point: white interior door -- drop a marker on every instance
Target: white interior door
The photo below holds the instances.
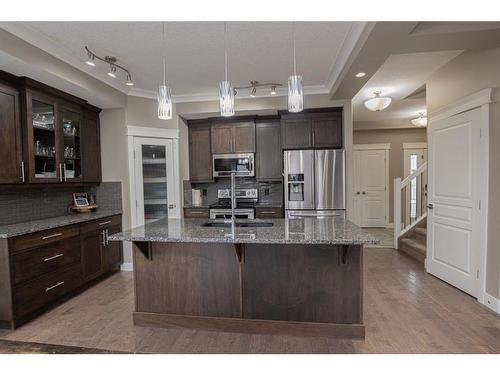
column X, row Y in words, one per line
column 156, row 180
column 370, row 187
column 453, row 237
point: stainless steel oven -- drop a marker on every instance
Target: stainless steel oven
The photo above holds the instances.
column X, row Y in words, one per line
column 241, row 164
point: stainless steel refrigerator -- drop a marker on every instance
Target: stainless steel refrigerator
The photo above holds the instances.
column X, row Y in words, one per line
column 314, row 182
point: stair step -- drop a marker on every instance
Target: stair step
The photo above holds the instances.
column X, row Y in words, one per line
column 414, row 245
column 421, row 231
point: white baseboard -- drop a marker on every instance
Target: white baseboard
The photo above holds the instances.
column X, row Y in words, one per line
column 390, row 226
column 491, row 302
column 127, row 266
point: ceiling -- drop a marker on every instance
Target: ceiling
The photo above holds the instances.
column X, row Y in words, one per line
column 195, row 52
column 399, row 77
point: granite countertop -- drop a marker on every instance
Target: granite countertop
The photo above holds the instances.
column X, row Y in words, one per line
column 334, row 231
column 12, row 230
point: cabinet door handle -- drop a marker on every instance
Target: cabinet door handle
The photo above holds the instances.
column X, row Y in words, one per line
column 53, row 257
column 268, row 212
column 64, row 170
column 107, row 237
column 52, row 236
column 105, row 222
column 196, row 212
column 60, row 172
column 22, row 172
column 357, row 193
column 54, row 286
column 103, row 233
column 364, row 192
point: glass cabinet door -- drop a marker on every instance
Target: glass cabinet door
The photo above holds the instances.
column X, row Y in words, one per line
column 71, row 150
column 44, row 155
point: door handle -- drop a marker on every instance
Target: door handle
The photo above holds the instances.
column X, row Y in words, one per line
column 103, row 233
column 60, row 172
column 52, row 236
column 430, row 206
column 107, row 236
column 22, row 171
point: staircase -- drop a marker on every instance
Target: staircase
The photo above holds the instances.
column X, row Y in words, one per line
column 410, row 214
column 414, row 241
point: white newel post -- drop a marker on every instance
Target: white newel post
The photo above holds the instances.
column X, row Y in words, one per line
column 397, row 210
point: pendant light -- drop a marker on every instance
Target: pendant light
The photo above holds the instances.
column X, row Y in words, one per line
column 164, row 91
column 378, row 103
column 421, row 120
column 295, row 91
column 226, row 91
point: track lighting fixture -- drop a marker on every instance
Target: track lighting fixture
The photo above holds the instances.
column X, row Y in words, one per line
column 256, row 84
column 112, row 62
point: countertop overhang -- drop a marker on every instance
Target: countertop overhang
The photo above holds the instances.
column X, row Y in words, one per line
column 320, row 231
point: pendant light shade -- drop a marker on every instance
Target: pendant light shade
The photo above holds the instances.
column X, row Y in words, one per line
column 226, row 90
column 420, row 121
column 378, row 103
column 295, row 94
column 164, row 103
column 164, row 91
column 295, row 91
column 226, row 99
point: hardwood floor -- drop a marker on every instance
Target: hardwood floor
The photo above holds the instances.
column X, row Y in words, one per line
column 406, row 311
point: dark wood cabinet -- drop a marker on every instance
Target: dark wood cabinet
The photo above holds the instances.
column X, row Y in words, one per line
column 222, row 139
column 37, row 269
column 296, row 133
column 91, row 147
column 244, row 137
column 320, row 128
column 190, row 213
column 92, row 259
column 200, row 155
column 112, row 251
column 46, row 136
column 268, row 156
column 11, row 168
column 233, row 137
column 327, row 132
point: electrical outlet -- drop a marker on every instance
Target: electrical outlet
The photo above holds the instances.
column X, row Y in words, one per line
column 204, row 192
column 266, row 191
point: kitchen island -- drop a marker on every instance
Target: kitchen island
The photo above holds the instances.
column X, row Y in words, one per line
column 301, row 276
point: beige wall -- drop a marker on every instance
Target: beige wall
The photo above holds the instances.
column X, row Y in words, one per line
column 396, row 137
column 464, row 75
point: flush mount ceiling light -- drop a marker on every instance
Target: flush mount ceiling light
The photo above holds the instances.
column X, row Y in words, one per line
column 378, row 103
column 256, row 84
column 295, row 89
column 421, row 120
column 360, row 74
column 164, row 91
column 113, row 65
column 226, row 91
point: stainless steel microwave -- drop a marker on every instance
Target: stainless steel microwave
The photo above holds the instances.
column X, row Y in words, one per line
column 241, row 164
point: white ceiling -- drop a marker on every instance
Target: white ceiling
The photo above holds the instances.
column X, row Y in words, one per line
column 256, row 51
column 399, row 77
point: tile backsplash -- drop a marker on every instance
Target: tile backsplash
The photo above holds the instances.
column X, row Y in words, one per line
column 268, row 191
column 19, row 204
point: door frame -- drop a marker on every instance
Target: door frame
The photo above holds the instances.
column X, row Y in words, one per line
column 370, row 147
column 134, row 132
column 407, row 147
column 481, row 99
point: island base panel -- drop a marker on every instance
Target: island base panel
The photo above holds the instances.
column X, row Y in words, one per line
column 251, row 326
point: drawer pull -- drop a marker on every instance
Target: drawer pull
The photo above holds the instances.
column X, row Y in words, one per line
column 105, row 222
column 53, row 257
column 197, row 212
column 54, row 286
column 268, row 212
column 52, row 236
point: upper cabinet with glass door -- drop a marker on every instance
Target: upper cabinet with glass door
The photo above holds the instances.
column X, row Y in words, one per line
column 71, row 122
column 42, row 132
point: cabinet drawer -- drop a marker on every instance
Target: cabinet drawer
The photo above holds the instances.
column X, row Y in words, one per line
column 35, row 294
column 33, row 263
column 44, row 237
column 105, row 222
column 268, row 212
column 196, row 212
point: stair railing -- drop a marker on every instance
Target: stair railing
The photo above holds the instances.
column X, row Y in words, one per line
column 410, row 201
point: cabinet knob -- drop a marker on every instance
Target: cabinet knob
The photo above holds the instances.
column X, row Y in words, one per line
column 171, row 206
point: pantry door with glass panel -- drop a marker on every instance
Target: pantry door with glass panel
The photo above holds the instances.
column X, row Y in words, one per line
column 154, row 180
